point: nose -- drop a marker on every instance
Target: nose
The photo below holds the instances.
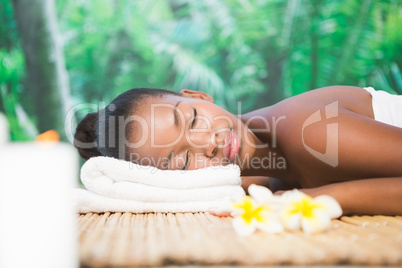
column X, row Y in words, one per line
column 203, row 141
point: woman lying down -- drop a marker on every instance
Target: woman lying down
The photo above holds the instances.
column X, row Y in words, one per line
column 341, row 141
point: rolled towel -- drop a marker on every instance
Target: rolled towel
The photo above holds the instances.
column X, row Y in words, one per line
column 119, row 185
column 86, row 201
column 112, row 170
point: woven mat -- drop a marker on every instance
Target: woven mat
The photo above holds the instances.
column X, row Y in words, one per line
column 129, row 240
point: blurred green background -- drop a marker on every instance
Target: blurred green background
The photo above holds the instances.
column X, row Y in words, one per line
column 53, row 58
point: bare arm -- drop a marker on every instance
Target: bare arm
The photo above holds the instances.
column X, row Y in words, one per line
column 381, row 196
column 272, row 183
column 368, row 196
column 246, row 181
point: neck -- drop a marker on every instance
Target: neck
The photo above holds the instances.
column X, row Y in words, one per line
column 266, row 161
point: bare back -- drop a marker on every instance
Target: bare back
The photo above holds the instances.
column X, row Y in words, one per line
column 330, row 135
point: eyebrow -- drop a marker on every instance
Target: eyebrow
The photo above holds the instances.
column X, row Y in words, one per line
column 176, row 114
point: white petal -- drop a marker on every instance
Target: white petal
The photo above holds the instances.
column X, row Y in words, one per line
column 272, row 226
column 236, row 211
column 243, row 228
column 260, row 194
column 319, row 221
column 292, row 195
column 291, row 221
column 276, row 206
column 331, row 206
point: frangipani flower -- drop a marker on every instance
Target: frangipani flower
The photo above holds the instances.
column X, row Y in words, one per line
column 310, row 214
column 263, row 195
column 256, row 212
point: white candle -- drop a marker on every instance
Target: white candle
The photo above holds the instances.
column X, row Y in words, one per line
column 37, row 219
column 4, row 130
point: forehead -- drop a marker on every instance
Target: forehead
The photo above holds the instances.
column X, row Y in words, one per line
column 154, row 132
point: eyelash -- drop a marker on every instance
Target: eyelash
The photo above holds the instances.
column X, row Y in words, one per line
column 187, row 161
column 192, row 126
column 213, row 153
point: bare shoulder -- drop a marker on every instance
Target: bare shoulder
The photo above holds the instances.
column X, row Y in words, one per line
column 323, row 103
column 352, row 98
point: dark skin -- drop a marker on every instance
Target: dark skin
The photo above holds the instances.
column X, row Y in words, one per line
column 366, row 177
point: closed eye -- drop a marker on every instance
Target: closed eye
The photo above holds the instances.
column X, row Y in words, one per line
column 195, row 118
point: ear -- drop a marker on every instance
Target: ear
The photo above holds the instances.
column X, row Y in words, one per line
column 196, row 94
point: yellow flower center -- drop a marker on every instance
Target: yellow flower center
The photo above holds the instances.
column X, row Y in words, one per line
column 251, row 210
column 305, row 206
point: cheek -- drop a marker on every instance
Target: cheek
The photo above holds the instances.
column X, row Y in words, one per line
column 165, row 138
column 218, row 117
column 204, row 122
column 177, row 162
column 200, row 161
column 228, row 121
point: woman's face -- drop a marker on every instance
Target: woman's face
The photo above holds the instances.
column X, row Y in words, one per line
column 188, row 132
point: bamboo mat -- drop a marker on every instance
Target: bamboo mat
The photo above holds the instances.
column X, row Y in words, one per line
column 129, row 240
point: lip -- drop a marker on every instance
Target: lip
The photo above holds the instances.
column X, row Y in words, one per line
column 232, row 145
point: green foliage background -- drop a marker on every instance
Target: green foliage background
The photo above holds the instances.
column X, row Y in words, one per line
column 254, row 51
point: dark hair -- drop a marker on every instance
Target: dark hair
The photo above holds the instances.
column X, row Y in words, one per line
column 98, row 134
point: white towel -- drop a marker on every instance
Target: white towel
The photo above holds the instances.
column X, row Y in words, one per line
column 387, row 107
column 118, row 185
column 87, row 201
